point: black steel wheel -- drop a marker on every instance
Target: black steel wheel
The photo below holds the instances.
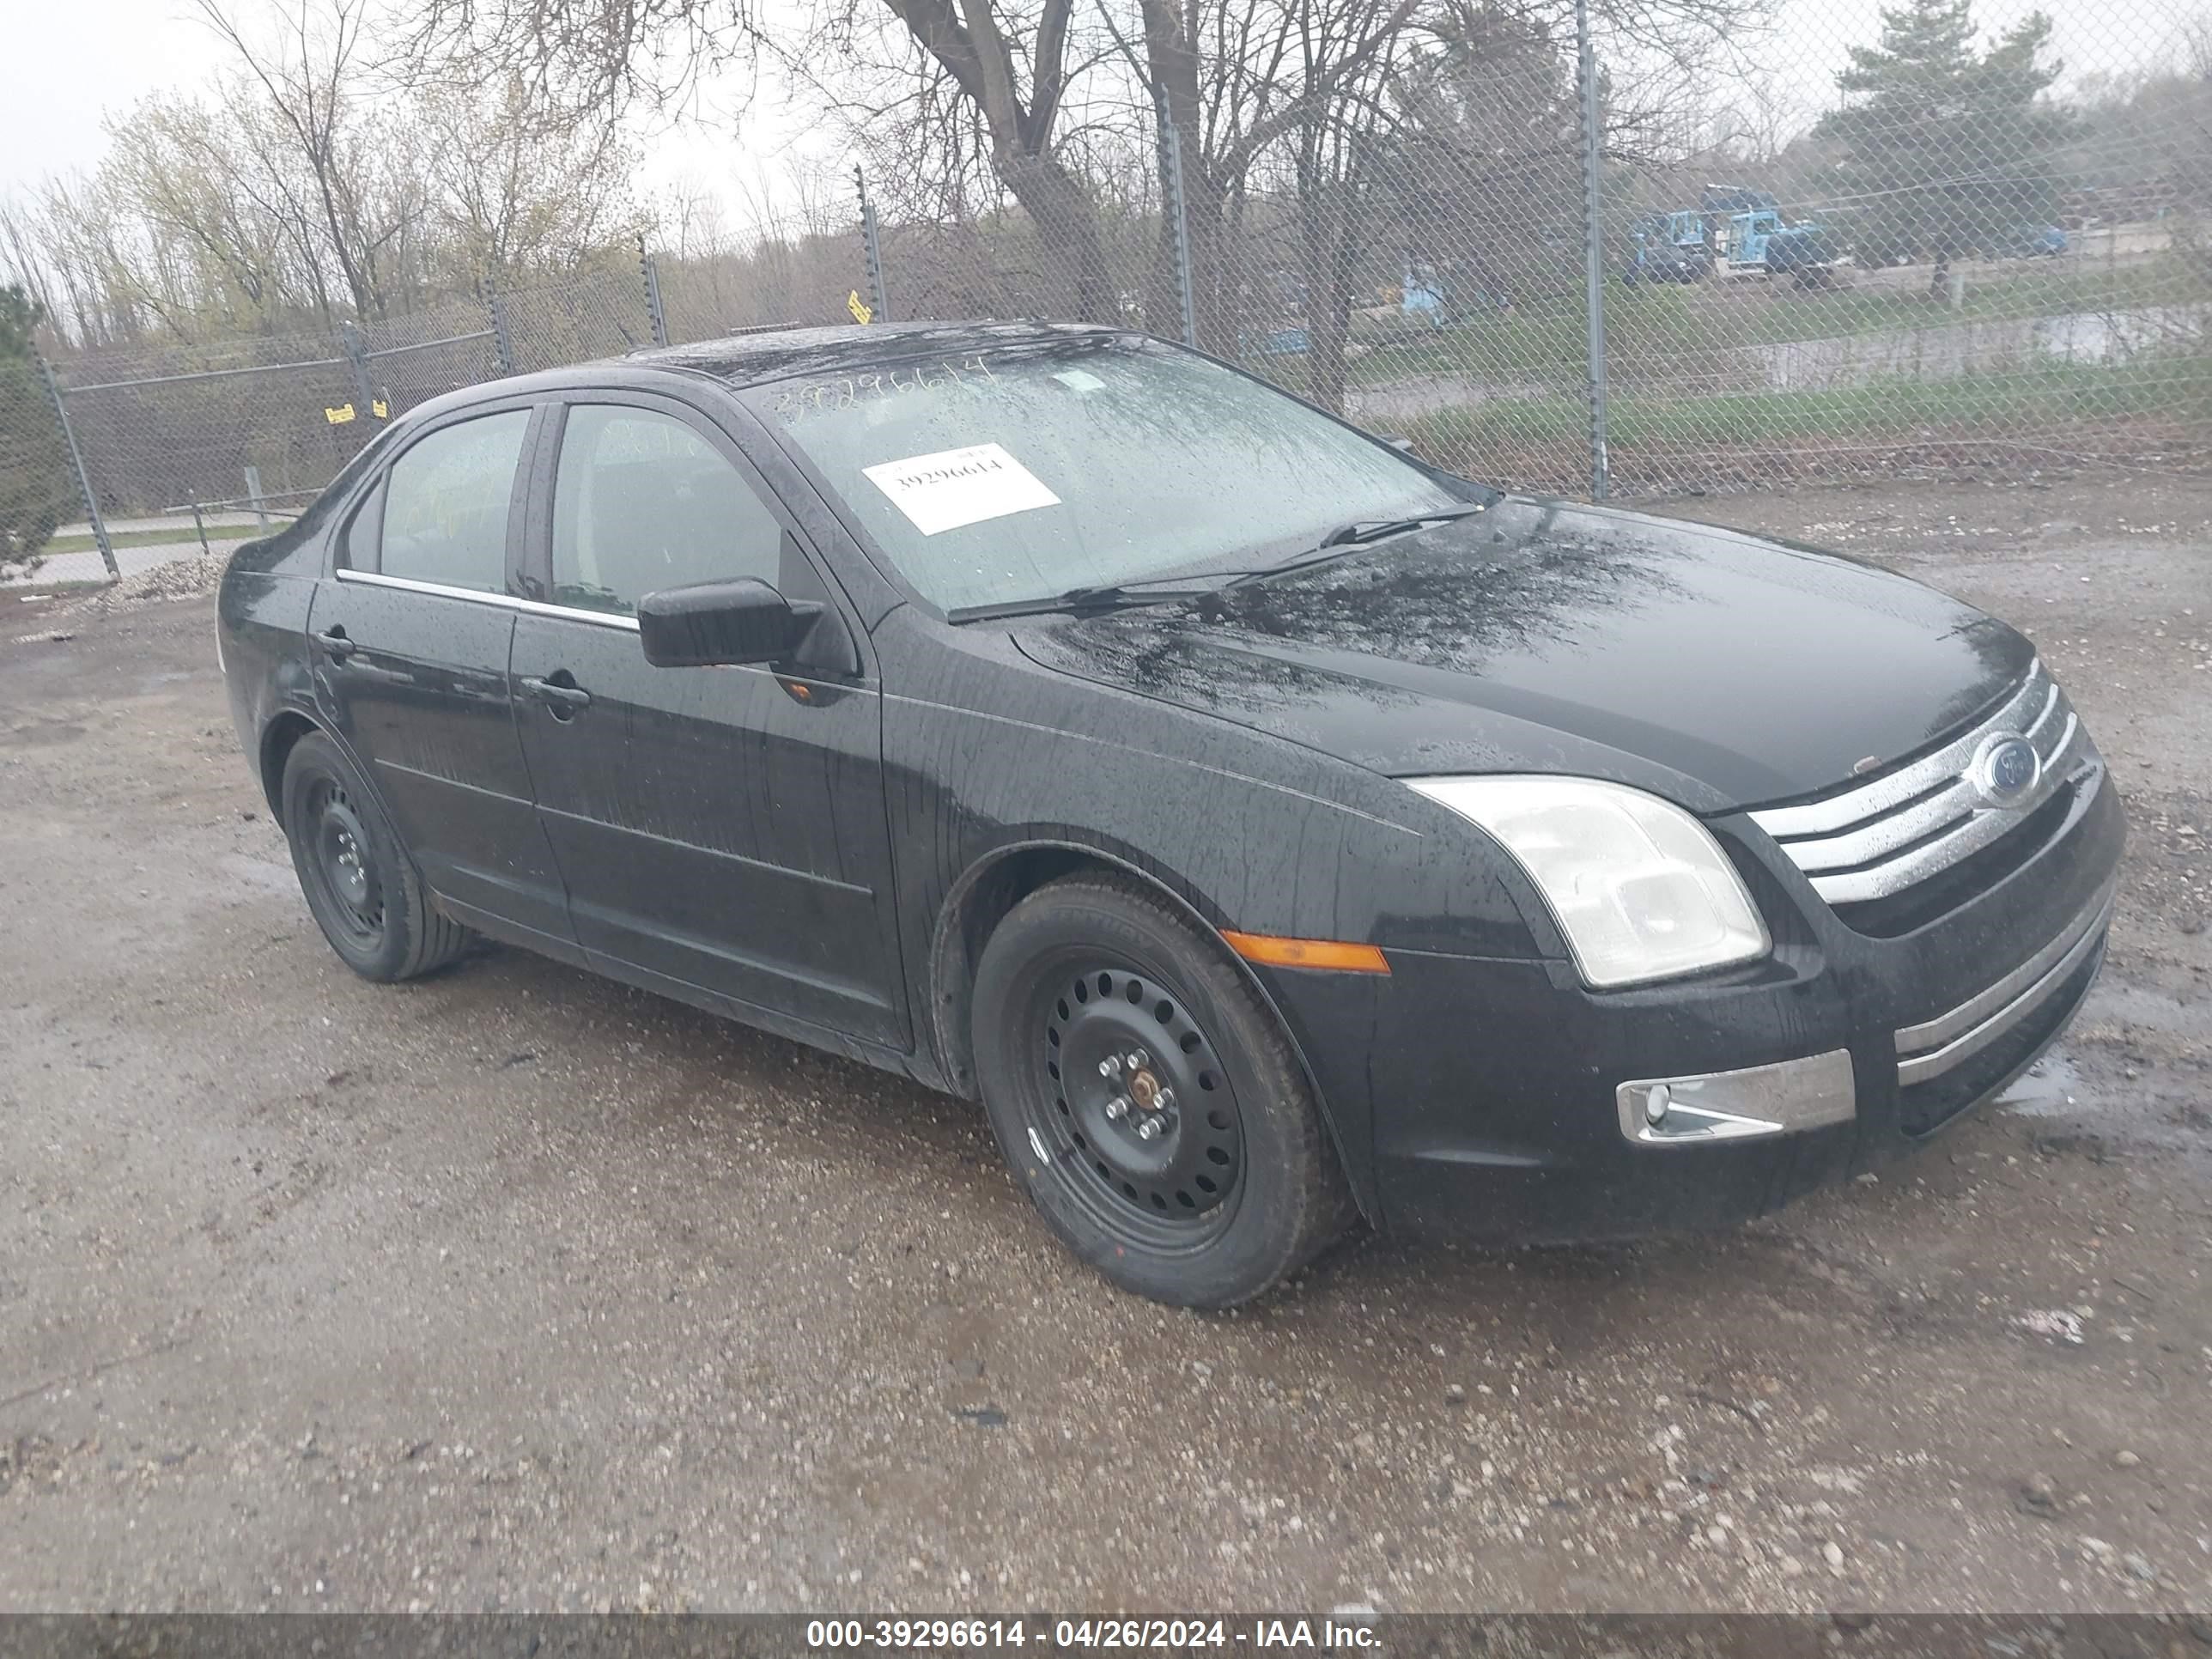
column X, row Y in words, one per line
column 1137, row 1107
column 340, row 867
column 1148, row 1098
column 359, row 883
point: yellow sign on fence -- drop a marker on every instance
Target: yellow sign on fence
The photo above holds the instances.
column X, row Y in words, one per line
column 339, row 416
column 862, row 311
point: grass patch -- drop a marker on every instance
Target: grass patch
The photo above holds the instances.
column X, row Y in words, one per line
column 1542, row 339
column 82, row 541
column 2051, row 400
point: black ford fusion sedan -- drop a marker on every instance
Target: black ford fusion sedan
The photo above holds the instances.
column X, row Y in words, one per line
column 1272, row 830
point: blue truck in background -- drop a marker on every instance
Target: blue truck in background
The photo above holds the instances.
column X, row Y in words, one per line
column 1733, row 231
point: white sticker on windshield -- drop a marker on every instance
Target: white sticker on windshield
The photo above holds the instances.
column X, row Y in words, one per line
column 1079, row 379
column 955, row 487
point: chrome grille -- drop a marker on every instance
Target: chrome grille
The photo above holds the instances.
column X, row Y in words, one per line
column 1880, row 837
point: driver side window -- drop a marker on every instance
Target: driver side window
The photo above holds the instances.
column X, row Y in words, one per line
column 642, row 501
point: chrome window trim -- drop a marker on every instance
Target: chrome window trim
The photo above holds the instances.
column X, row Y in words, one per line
column 506, row 601
column 1935, row 1046
column 1881, row 837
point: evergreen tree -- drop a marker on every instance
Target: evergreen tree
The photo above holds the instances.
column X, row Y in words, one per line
column 1947, row 152
column 35, row 490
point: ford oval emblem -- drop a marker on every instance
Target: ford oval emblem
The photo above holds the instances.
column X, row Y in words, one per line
column 2008, row 770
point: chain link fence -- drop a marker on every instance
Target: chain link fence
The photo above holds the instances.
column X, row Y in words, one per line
column 166, row 429
column 1602, row 248
column 1572, row 249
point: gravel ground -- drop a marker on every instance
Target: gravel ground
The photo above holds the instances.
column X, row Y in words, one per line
column 513, row 1289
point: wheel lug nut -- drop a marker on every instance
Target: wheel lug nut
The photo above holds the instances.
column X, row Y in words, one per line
column 1139, row 1059
column 1109, row 1066
column 1118, row 1108
column 1164, row 1101
column 1148, row 1129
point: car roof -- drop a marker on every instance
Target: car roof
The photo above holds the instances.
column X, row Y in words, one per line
column 753, row 359
column 775, row 354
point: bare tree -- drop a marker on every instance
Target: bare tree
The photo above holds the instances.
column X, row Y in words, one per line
column 311, row 81
column 510, row 187
column 1008, row 62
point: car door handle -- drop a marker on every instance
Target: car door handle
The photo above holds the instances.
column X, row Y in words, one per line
column 335, row 641
column 563, row 700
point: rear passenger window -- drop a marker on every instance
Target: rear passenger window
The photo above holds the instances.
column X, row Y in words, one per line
column 445, row 504
column 642, row 502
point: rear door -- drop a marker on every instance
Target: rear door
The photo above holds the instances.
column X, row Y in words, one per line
column 410, row 640
column 719, row 827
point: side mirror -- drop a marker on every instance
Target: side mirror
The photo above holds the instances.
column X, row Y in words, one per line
column 713, row 624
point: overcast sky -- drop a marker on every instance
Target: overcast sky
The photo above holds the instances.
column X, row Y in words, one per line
column 70, row 62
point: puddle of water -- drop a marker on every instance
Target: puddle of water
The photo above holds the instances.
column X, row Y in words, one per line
column 1941, row 351
column 1948, row 351
column 2098, row 1106
column 2051, row 1087
column 1425, row 394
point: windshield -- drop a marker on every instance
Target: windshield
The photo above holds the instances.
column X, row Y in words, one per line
column 1023, row 473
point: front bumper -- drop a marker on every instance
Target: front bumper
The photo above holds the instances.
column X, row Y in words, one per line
column 1498, row 1101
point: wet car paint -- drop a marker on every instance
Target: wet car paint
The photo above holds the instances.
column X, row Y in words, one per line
column 1241, row 754
column 1461, row 649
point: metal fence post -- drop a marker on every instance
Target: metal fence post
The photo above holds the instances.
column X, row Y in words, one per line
column 653, row 313
column 253, row 494
column 502, row 342
column 1592, row 254
column 872, row 251
column 76, row 461
column 1179, row 220
column 356, row 351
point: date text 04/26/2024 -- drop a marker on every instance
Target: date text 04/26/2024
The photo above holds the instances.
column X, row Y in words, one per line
column 831, row 1635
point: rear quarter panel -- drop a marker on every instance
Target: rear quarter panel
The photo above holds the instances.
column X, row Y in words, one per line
column 261, row 624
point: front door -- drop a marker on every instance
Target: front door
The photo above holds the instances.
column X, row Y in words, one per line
column 719, row 827
column 410, row 640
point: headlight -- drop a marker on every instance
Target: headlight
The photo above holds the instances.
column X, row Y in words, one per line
column 1640, row 887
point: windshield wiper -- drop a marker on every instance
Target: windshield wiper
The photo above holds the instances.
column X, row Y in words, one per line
column 1105, row 596
column 1197, row 583
column 1358, row 533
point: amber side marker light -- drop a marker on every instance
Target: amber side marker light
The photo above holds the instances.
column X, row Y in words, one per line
column 1338, row 954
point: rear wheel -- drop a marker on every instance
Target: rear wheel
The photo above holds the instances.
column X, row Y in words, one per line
column 1147, row 1098
column 359, row 884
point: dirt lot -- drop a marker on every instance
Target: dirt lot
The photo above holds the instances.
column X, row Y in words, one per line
column 515, row 1289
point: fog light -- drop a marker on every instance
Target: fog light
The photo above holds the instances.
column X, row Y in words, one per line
column 1790, row 1096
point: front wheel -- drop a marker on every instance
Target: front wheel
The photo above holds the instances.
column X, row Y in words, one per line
column 1147, row 1098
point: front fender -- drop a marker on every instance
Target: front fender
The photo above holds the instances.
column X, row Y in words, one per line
column 996, row 882
column 996, row 765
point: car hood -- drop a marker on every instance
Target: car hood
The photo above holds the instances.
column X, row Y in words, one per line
column 1716, row 667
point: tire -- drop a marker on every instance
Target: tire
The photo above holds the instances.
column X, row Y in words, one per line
column 359, row 882
column 1240, row 1187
